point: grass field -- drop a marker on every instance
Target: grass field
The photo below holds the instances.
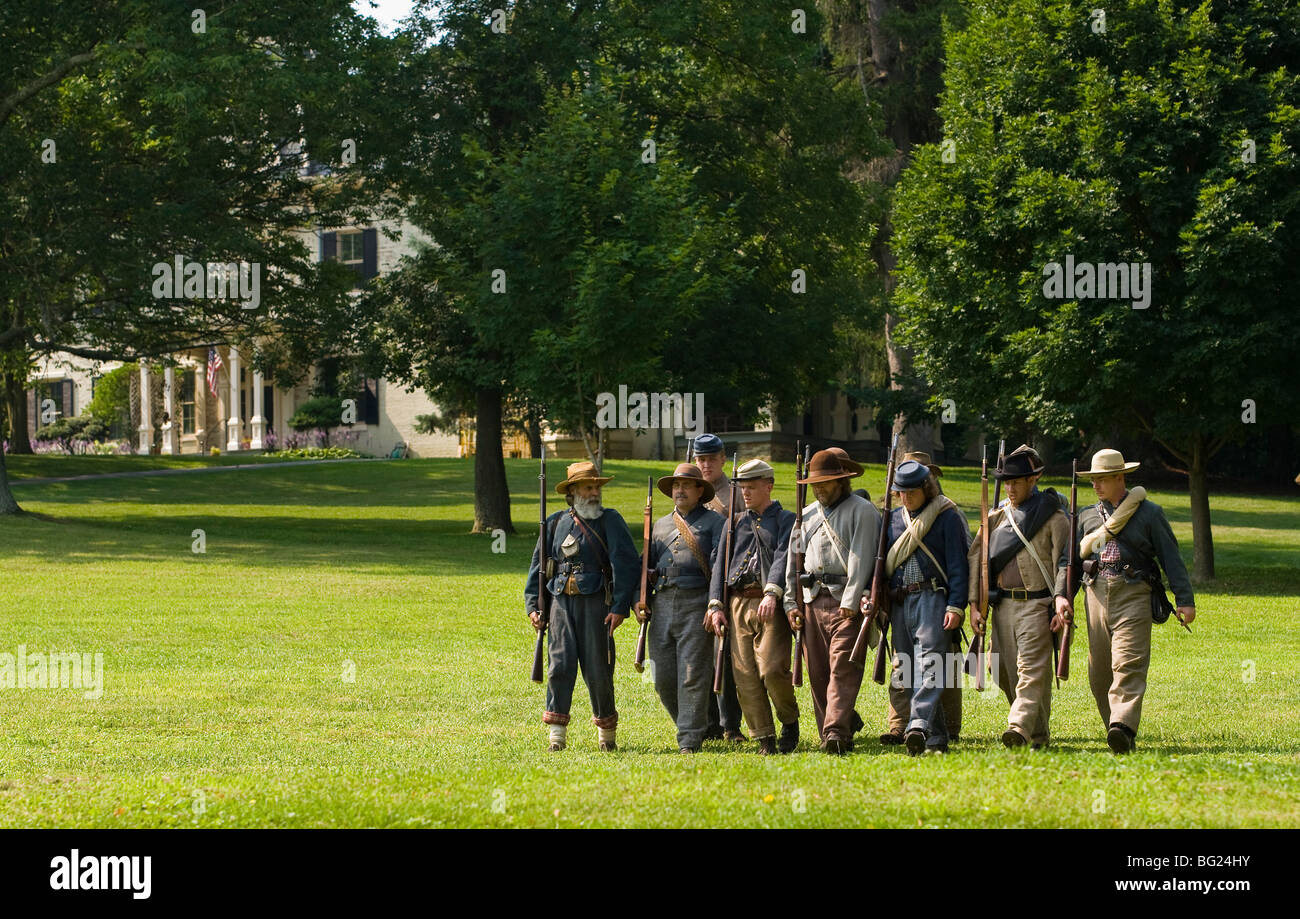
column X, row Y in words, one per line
column 345, row 653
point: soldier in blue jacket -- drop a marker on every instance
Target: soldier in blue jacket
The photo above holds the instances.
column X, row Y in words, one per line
column 593, row 568
column 755, row 624
column 683, row 549
column 928, row 574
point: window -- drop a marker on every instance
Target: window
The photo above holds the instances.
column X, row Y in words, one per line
column 350, row 248
column 187, row 401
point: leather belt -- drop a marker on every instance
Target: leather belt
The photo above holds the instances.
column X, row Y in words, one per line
column 751, row 593
column 1022, row 593
column 899, row 594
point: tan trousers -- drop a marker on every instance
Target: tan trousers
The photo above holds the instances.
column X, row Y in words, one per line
column 760, row 658
column 900, row 705
column 1119, row 647
column 1022, row 641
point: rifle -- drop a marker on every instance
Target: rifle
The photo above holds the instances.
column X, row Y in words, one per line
column 543, row 600
column 1071, row 566
column 982, row 601
column 878, row 585
column 638, row 661
column 801, row 463
column 719, row 661
column 997, row 499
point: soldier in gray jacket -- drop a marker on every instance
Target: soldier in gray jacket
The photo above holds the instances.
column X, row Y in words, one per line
column 1120, row 539
column 840, row 531
column 683, row 550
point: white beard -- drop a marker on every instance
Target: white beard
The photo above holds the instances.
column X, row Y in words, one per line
column 587, row 510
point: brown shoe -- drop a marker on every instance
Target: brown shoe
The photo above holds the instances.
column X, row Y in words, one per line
column 608, row 746
column 735, row 737
column 835, row 746
column 1012, row 738
column 767, row 746
column 891, row 739
column 556, row 747
column 1120, row 739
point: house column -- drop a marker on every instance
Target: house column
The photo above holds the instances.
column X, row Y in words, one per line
column 258, row 440
column 234, row 427
column 169, row 439
column 146, row 421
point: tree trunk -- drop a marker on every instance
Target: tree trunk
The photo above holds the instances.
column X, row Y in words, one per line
column 8, row 505
column 15, row 396
column 1202, row 537
column 491, row 491
column 533, row 428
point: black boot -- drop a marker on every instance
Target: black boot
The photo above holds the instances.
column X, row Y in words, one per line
column 789, row 737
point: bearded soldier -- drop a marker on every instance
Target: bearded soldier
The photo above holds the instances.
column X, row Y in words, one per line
column 1028, row 546
column 900, row 696
column 683, row 546
column 593, row 569
column 1120, row 539
column 926, row 564
column 759, row 633
column 840, row 531
column 711, row 459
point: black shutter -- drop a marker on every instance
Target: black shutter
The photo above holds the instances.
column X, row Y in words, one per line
column 68, row 393
column 372, row 402
column 369, row 253
column 268, row 406
column 329, row 247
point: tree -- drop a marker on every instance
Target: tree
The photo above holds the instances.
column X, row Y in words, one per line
column 137, row 133
column 1160, row 136
column 893, row 52
column 743, row 225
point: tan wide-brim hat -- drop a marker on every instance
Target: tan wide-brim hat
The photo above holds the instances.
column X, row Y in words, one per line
column 827, row 465
column 1109, row 462
column 690, row 472
column 584, row 471
column 923, row 458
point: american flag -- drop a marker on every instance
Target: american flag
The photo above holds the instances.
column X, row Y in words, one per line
column 214, row 364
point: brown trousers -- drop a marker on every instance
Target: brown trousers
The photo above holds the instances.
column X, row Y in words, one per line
column 832, row 677
column 1119, row 647
column 900, row 704
column 1022, row 641
column 760, row 658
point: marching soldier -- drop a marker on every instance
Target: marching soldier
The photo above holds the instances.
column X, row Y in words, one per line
column 683, row 549
column 711, row 459
column 759, row 634
column 593, row 569
column 900, row 696
column 1120, row 539
column 840, row 531
column 928, row 575
column 1028, row 546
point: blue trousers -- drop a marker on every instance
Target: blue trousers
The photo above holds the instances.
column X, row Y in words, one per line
column 922, row 646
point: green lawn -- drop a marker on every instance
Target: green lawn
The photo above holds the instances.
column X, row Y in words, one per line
column 227, row 699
